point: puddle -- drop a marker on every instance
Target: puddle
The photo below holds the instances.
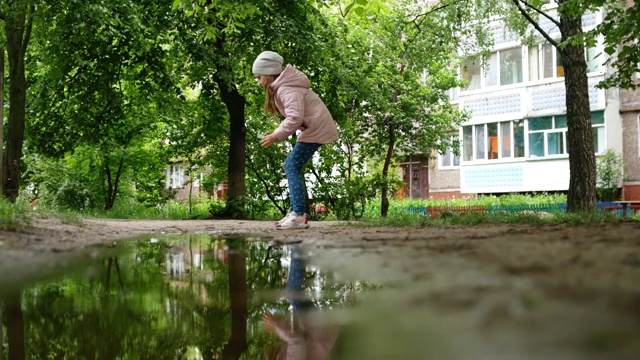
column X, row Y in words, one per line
column 193, row 297
column 180, row 297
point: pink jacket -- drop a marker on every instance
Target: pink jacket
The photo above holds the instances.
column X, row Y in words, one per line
column 303, row 110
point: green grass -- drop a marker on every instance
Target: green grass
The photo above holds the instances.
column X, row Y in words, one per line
column 172, row 210
column 19, row 215
column 406, row 218
column 15, row 216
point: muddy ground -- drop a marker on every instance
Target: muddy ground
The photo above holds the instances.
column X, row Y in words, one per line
column 502, row 291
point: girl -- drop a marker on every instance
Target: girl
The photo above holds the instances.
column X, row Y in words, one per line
column 288, row 93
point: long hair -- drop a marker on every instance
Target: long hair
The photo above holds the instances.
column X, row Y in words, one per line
column 269, row 101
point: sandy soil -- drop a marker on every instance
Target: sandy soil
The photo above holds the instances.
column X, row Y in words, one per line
column 574, row 287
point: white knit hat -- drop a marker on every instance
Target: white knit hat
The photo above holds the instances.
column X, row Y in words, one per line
column 268, row 63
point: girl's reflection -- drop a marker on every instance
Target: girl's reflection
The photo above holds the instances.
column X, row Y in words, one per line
column 310, row 339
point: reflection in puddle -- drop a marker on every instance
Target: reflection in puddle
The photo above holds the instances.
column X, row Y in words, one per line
column 188, row 297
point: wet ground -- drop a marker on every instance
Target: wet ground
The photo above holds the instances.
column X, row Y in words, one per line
column 479, row 292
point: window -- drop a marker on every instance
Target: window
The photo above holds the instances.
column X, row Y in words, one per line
column 510, row 66
column 449, row 158
column 593, row 60
column 471, row 74
column 493, row 141
column 197, row 179
column 503, row 67
column 548, row 135
column 467, row 143
column 638, row 136
column 544, row 62
column 175, row 177
column 597, row 122
column 518, row 138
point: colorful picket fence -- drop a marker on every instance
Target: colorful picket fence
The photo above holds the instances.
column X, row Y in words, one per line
column 436, row 212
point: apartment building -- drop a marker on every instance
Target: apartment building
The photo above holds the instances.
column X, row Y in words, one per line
column 516, row 138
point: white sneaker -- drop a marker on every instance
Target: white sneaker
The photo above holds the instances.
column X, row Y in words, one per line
column 293, row 221
column 289, row 214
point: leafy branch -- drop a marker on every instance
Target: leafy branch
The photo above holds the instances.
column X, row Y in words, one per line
column 535, row 24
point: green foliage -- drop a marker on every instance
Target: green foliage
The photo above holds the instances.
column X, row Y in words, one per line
column 143, row 83
column 621, row 30
column 357, row 193
column 609, row 167
column 79, row 181
column 65, row 183
column 108, row 92
column 15, row 216
column 387, row 89
column 217, row 208
column 235, row 208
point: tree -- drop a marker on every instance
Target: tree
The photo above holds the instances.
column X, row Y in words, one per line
column 221, row 40
column 101, row 81
column 18, row 23
column 581, row 196
column 409, row 69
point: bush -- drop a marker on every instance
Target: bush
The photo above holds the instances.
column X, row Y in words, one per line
column 608, row 175
column 14, row 216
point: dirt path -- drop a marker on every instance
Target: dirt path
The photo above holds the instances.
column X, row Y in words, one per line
column 524, row 286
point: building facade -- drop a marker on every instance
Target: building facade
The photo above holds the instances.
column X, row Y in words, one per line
column 178, row 181
column 516, row 138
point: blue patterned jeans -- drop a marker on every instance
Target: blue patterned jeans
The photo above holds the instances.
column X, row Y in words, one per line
column 299, row 156
column 296, row 281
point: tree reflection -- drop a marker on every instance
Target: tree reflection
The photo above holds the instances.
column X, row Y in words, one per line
column 1, row 332
column 238, row 295
column 196, row 297
column 15, row 328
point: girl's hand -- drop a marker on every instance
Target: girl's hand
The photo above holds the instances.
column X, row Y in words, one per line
column 267, row 140
column 270, row 322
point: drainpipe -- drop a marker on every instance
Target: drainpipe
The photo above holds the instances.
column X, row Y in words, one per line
column 410, row 177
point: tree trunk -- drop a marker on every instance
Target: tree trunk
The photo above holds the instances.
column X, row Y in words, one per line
column 582, row 161
column 236, row 189
column 15, row 329
column 1, row 333
column 18, row 31
column 384, row 201
column 1, row 137
column 112, row 191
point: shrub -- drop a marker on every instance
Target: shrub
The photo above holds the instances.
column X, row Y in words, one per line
column 608, row 175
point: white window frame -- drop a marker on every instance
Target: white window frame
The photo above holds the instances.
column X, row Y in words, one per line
column 638, row 136
column 175, row 177
column 485, row 70
column 596, row 53
column 487, row 142
column 555, row 129
column 563, row 130
column 452, row 157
